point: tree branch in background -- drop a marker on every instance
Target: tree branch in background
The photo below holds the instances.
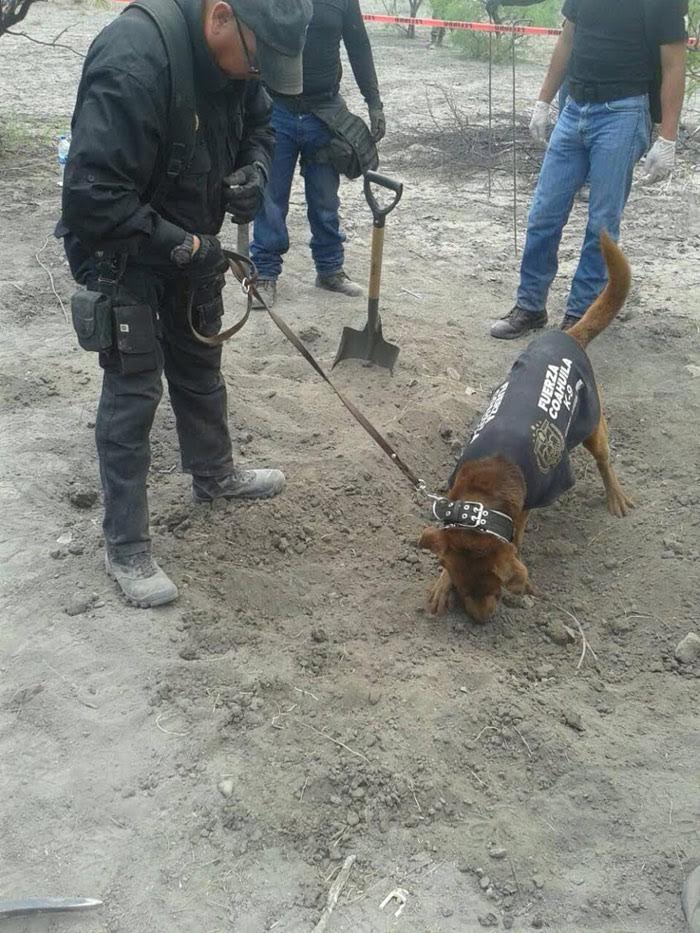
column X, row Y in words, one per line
column 54, row 43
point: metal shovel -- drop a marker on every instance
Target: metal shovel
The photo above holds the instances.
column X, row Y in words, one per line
column 369, row 344
column 30, row 906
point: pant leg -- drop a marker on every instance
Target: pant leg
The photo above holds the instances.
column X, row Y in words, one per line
column 270, row 235
column 196, row 386
column 125, row 415
column 617, row 135
column 563, row 172
column 322, row 182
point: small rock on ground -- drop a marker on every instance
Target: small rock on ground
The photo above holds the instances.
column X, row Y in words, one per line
column 688, row 650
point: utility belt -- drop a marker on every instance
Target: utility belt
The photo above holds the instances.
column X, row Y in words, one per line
column 585, row 92
column 299, row 103
column 111, row 320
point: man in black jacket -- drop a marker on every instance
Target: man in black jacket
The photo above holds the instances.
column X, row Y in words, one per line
column 303, row 134
column 140, row 224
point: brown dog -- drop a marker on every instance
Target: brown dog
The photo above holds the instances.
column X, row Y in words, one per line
column 518, row 458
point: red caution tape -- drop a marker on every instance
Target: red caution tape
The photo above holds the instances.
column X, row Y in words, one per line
column 456, row 24
column 693, row 42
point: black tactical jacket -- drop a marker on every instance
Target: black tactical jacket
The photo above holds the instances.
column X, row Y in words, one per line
column 119, row 143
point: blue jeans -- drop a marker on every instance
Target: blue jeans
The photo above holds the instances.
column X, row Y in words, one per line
column 299, row 134
column 598, row 142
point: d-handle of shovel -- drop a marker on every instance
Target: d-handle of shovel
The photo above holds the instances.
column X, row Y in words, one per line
column 378, row 212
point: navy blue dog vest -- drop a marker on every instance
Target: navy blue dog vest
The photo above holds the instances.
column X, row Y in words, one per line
column 547, row 406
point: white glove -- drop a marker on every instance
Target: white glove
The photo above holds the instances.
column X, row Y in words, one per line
column 659, row 161
column 540, row 121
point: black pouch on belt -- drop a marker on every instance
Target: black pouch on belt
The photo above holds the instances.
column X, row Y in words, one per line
column 92, row 319
column 135, row 338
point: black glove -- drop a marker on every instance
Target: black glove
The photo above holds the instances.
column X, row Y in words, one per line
column 243, row 192
column 209, row 258
column 377, row 121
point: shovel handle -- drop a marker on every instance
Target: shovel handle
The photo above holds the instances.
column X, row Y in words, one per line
column 378, row 212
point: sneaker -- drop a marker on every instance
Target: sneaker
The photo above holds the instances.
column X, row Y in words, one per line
column 268, row 292
column 339, row 282
column 518, row 322
column 568, row 321
column 141, row 579
column 240, row 484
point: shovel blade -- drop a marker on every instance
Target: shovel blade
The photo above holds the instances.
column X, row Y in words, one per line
column 366, row 345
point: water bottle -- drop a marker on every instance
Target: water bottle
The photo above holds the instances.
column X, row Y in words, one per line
column 63, row 147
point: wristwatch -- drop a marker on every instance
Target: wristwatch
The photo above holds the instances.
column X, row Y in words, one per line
column 182, row 254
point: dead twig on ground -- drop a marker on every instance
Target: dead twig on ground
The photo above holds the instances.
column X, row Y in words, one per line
column 50, row 275
column 168, row 731
column 334, row 894
column 523, row 740
column 585, row 646
column 335, row 741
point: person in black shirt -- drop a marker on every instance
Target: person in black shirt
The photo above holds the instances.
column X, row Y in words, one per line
column 144, row 242
column 301, row 133
column 626, row 65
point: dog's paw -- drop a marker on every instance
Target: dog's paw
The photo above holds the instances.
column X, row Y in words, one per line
column 439, row 595
column 619, row 504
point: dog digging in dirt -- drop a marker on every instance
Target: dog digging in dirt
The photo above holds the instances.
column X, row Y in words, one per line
column 517, row 458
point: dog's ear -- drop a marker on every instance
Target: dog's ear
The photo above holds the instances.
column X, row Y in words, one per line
column 512, row 572
column 433, row 539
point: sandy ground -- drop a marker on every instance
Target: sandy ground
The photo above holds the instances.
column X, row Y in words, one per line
column 208, row 766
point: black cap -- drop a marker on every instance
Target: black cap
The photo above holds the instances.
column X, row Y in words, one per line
column 279, row 27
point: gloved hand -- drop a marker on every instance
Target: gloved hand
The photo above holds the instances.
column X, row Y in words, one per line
column 659, row 161
column 540, row 121
column 377, row 122
column 209, row 258
column 243, row 193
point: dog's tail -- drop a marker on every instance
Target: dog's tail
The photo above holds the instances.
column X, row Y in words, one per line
column 611, row 299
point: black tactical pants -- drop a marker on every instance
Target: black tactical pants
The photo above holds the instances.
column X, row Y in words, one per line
column 132, row 389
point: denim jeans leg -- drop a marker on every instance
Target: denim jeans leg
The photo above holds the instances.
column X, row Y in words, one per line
column 322, row 182
column 563, row 173
column 270, row 235
column 617, row 134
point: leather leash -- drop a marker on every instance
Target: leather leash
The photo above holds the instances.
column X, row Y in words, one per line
column 246, row 274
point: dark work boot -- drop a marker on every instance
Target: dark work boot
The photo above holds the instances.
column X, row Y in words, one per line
column 268, row 292
column 568, row 321
column 339, row 282
column 141, row 579
column 240, row 484
column 517, row 322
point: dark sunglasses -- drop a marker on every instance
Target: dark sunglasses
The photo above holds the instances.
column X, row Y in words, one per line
column 253, row 69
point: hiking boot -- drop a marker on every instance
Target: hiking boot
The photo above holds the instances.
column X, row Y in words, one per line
column 141, row 579
column 517, row 322
column 268, row 292
column 568, row 321
column 240, row 484
column 339, row 282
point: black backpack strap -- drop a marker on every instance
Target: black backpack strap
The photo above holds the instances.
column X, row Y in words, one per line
column 182, row 118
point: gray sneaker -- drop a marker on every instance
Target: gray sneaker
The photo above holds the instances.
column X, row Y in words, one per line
column 267, row 289
column 339, row 282
column 241, row 484
column 517, row 322
column 141, row 579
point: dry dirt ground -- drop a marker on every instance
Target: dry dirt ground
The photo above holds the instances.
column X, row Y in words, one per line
column 206, row 767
